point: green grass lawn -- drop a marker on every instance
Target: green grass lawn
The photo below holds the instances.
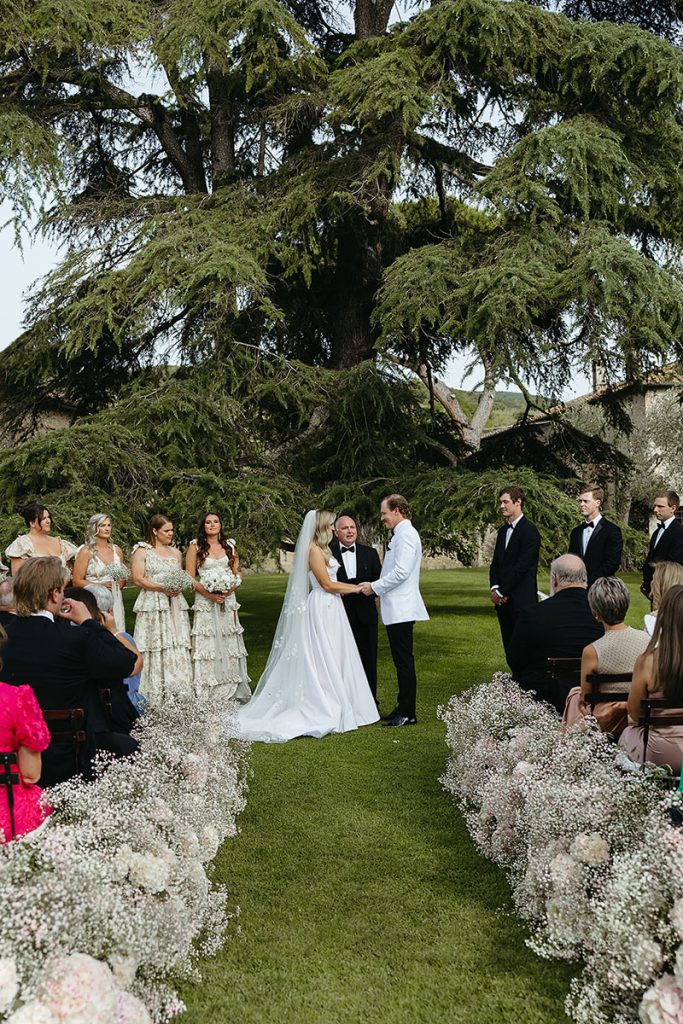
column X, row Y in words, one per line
column 361, row 895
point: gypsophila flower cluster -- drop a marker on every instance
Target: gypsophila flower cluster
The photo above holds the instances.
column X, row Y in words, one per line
column 111, row 898
column 117, row 571
column 175, row 578
column 595, row 866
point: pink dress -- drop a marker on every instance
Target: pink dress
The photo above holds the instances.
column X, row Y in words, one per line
column 21, row 724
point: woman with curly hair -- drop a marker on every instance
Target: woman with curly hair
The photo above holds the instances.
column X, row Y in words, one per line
column 219, row 656
column 38, row 542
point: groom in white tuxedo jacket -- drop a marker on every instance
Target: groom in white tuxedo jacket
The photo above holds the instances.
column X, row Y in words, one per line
column 401, row 604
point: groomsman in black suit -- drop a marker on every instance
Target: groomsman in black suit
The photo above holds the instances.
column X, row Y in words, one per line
column 512, row 576
column 358, row 563
column 596, row 540
column 666, row 543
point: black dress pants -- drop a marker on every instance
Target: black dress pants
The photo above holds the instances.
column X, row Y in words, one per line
column 365, row 635
column 400, row 636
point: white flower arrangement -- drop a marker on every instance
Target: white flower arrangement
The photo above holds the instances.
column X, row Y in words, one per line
column 595, row 866
column 111, row 898
column 117, row 571
column 220, row 579
column 175, row 578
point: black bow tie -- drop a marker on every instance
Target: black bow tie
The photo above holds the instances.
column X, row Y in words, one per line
column 662, row 526
column 587, row 526
column 351, row 549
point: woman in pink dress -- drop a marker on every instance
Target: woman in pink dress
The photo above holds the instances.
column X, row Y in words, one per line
column 22, row 732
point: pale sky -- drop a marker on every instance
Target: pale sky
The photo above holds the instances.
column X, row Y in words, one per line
column 21, row 270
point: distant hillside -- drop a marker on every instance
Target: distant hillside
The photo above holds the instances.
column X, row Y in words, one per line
column 508, row 406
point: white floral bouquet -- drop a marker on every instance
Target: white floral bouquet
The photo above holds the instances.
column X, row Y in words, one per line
column 175, row 578
column 220, row 580
column 108, row 905
column 585, row 839
column 117, row 571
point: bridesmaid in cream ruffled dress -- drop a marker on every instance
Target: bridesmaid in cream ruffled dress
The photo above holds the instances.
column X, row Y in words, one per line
column 38, row 543
column 218, row 652
column 162, row 623
column 94, row 560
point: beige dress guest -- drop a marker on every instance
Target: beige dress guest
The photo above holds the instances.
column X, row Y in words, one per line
column 23, row 548
column 218, row 651
column 98, row 572
column 664, row 746
column 162, row 634
column 617, row 651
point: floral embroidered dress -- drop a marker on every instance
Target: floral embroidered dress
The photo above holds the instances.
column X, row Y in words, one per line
column 23, row 548
column 99, row 572
column 162, row 634
column 218, row 651
column 21, row 725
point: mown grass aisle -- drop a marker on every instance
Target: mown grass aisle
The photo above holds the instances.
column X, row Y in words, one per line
column 361, row 895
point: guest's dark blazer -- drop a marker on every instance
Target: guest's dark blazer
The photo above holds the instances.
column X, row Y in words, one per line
column 669, row 549
column 603, row 554
column 514, row 569
column 60, row 661
column 359, row 608
column 559, row 627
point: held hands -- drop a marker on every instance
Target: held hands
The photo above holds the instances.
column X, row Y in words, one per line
column 366, row 589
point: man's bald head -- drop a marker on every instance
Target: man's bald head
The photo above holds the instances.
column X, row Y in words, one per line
column 568, row 571
column 346, row 530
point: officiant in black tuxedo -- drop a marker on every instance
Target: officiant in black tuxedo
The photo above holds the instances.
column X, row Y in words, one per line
column 512, row 575
column 596, row 540
column 358, row 563
column 666, row 542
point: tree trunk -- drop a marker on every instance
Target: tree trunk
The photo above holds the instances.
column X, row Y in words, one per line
column 357, row 276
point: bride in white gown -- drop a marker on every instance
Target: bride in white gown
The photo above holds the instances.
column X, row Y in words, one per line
column 314, row 682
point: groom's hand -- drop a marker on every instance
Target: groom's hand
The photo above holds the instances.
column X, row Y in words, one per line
column 366, row 588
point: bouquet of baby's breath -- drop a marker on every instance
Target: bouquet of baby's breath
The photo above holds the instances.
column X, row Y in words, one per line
column 220, row 580
column 175, row 578
column 117, row 572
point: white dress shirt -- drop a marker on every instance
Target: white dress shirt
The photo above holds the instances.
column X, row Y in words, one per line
column 588, row 532
column 660, row 532
column 349, row 560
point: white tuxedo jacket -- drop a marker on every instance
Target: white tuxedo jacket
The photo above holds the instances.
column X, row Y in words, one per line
column 398, row 587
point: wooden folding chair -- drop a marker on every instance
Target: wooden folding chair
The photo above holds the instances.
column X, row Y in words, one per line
column 67, row 726
column 9, row 779
column 561, row 675
column 660, row 721
column 597, row 681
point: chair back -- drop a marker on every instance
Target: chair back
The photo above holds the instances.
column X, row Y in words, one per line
column 561, row 675
column 9, row 779
column 649, row 720
column 67, row 725
column 598, row 679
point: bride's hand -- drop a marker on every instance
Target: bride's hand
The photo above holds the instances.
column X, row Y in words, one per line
column 217, row 598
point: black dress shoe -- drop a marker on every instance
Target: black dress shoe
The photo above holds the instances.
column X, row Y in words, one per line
column 397, row 721
column 392, row 714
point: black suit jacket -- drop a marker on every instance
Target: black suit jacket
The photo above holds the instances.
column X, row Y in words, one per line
column 559, row 627
column 603, row 554
column 669, row 549
column 359, row 608
column 514, row 569
column 60, row 662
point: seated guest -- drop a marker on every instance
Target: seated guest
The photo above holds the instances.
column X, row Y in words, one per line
column 559, row 627
column 105, row 607
column 614, row 653
column 666, row 574
column 22, row 732
column 7, row 609
column 659, row 673
column 60, row 662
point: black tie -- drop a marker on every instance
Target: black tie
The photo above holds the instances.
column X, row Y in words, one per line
column 587, row 526
column 351, row 549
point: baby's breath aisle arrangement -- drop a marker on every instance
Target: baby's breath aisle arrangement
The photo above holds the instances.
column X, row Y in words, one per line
column 106, row 907
column 587, row 843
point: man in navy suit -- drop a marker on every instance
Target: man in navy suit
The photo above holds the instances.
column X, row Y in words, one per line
column 512, row 576
column 596, row 540
column 358, row 563
column 666, row 543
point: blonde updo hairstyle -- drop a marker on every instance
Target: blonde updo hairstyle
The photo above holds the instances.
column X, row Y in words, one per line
column 93, row 526
column 324, row 521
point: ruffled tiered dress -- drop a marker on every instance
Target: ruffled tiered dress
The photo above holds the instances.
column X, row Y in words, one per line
column 23, row 548
column 162, row 634
column 99, row 572
column 218, row 652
